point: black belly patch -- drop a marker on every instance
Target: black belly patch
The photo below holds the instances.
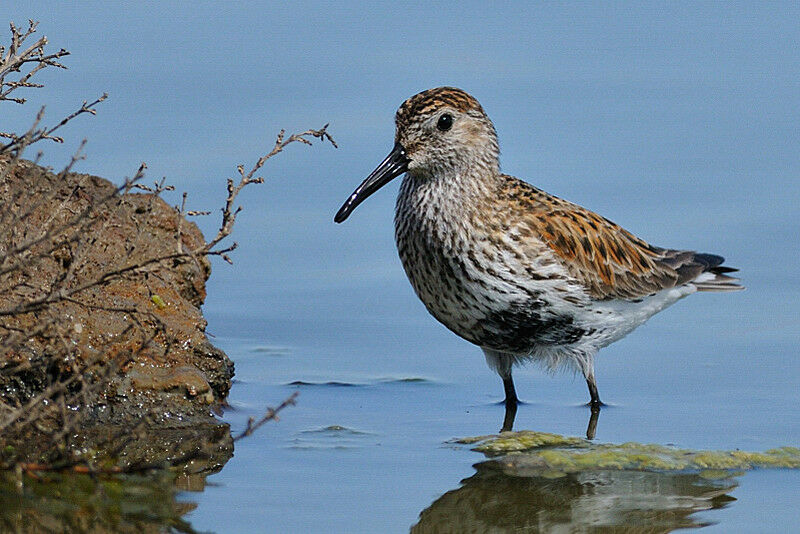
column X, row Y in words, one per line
column 520, row 328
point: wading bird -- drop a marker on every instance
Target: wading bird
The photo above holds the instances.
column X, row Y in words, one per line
column 521, row 273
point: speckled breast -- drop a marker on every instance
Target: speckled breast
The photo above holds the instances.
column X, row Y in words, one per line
column 450, row 265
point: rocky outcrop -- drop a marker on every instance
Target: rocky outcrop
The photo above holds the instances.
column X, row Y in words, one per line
column 79, row 290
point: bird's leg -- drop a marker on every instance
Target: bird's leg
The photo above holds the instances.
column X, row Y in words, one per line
column 511, row 404
column 511, row 393
column 595, row 402
column 594, row 405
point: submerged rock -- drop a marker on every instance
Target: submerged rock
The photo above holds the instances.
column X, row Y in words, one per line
column 530, row 453
column 542, row 482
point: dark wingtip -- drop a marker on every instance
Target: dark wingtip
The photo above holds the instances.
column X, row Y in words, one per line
column 713, row 263
column 708, row 261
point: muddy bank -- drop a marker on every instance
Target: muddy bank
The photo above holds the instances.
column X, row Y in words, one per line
column 102, row 345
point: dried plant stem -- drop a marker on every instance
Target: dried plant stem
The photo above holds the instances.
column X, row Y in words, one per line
column 229, row 213
column 270, row 415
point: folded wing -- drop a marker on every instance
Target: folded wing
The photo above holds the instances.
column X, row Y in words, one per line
column 610, row 261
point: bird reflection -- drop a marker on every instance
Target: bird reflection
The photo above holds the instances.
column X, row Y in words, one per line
column 493, row 500
column 511, row 414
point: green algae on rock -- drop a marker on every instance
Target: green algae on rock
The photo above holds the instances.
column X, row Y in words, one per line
column 519, row 441
column 530, row 453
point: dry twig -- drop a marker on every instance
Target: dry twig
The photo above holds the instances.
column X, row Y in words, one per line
column 270, row 415
column 229, row 213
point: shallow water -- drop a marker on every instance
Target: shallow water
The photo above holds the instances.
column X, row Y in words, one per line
column 680, row 124
column 366, row 448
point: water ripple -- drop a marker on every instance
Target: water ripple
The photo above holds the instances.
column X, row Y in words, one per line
column 332, row 437
column 330, row 383
column 406, row 380
column 271, row 351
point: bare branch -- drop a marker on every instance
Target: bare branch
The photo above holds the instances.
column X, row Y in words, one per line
column 270, row 415
column 34, row 134
column 229, row 213
column 13, row 60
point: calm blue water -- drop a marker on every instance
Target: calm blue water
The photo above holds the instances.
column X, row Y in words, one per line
column 679, row 123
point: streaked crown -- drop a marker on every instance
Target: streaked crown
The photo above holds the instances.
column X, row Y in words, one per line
column 431, row 100
column 445, row 129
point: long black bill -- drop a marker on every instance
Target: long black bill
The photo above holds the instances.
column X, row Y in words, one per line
column 395, row 164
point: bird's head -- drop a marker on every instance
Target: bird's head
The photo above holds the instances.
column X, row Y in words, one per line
column 440, row 133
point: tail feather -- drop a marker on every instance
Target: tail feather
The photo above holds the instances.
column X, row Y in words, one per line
column 714, row 277
column 704, row 271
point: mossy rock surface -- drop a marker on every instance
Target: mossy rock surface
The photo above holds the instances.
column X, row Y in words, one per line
column 544, row 454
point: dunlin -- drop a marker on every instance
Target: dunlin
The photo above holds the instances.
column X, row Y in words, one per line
column 521, row 273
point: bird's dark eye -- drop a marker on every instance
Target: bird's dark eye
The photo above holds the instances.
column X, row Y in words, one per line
column 445, row 122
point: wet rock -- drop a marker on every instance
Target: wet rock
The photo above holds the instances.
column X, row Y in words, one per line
column 183, row 380
column 148, row 318
column 541, row 454
column 543, row 482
